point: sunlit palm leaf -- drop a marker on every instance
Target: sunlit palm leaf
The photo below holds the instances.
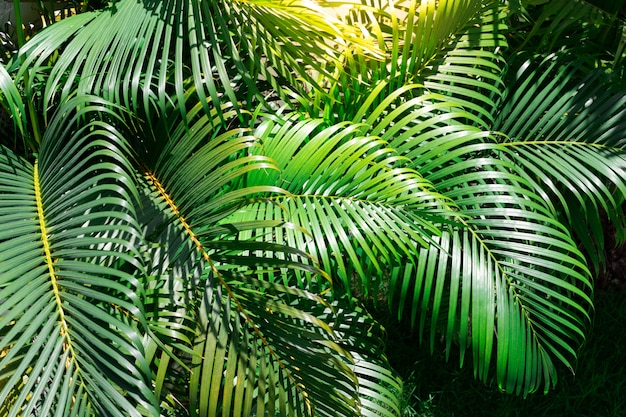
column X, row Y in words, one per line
column 469, row 72
column 504, row 259
column 455, row 54
column 70, row 341
column 362, row 210
column 138, row 53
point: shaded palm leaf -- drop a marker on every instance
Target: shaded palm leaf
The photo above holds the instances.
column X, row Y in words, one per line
column 70, row 341
column 566, row 130
column 362, row 337
column 548, row 25
column 11, row 101
column 257, row 346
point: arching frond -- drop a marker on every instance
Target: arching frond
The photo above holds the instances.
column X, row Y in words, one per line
column 70, row 311
column 139, row 53
column 509, row 279
column 504, row 268
column 254, row 345
column 364, row 212
column 566, row 130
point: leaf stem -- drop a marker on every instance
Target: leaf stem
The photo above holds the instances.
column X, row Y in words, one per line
column 205, row 256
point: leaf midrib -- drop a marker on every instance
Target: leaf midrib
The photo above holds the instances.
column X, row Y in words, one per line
column 54, row 281
column 205, row 256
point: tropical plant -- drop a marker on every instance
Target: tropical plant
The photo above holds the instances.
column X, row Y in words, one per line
column 198, row 196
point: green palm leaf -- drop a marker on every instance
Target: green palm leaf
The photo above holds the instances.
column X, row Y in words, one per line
column 511, row 276
column 138, row 53
column 549, row 25
column 456, row 55
column 363, row 211
column 570, row 143
column 503, row 258
column 253, row 345
column 363, row 338
column 70, row 342
column 11, row 101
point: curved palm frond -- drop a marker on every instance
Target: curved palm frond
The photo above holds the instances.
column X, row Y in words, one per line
column 566, row 130
column 139, row 53
column 510, row 276
column 253, row 345
column 504, row 270
column 71, row 312
column 11, row 101
column 363, row 211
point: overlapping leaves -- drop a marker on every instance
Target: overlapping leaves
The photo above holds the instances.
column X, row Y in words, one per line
column 422, row 174
column 223, row 49
column 563, row 126
column 362, row 209
column 253, row 345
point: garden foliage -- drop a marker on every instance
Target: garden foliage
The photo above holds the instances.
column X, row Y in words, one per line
column 197, row 197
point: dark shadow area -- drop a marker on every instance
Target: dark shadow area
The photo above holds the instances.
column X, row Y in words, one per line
column 436, row 388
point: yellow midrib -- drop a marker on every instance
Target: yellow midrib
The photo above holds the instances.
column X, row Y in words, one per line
column 50, row 262
column 205, row 256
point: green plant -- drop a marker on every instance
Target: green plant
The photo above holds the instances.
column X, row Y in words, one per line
column 216, row 182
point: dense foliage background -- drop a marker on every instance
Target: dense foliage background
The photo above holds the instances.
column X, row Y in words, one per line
column 201, row 200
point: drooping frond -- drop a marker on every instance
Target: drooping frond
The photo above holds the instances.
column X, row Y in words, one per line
column 502, row 257
column 566, row 130
column 70, row 313
column 509, row 279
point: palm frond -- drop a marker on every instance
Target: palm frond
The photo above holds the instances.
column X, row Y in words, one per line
column 257, row 346
column 362, row 209
column 547, row 26
column 11, row 101
column 566, row 130
column 455, row 54
column 361, row 336
column 502, row 257
column 509, row 276
column 139, row 53
column 70, row 321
